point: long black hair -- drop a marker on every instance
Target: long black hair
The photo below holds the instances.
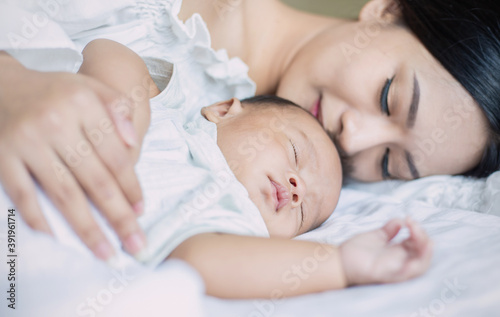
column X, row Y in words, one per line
column 464, row 36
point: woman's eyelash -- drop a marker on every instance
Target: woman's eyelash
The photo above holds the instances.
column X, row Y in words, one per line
column 384, row 106
column 384, row 96
column 385, row 165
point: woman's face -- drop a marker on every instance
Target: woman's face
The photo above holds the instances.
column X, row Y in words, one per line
column 394, row 110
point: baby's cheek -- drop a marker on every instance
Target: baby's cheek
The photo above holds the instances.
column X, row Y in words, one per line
column 281, row 229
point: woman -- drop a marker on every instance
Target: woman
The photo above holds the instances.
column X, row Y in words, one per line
column 408, row 90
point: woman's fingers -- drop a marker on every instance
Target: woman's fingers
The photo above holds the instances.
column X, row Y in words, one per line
column 101, row 187
column 40, row 128
column 103, row 165
column 113, row 154
column 67, row 196
column 119, row 109
column 20, row 187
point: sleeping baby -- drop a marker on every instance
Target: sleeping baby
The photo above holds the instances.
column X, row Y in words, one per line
column 228, row 187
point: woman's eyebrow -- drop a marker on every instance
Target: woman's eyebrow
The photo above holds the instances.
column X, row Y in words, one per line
column 415, row 100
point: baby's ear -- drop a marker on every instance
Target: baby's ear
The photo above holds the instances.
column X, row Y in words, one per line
column 383, row 11
column 222, row 110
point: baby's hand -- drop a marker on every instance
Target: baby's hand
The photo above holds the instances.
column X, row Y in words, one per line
column 370, row 257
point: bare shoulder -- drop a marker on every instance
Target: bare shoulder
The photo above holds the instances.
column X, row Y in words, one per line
column 226, row 21
column 234, row 25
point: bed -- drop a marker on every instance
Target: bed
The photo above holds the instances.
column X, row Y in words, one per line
column 460, row 214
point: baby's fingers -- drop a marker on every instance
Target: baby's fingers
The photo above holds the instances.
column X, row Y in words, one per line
column 419, row 252
column 417, row 264
column 392, row 228
column 418, row 240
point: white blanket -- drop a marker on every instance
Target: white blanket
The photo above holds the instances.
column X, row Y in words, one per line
column 464, row 278
column 62, row 279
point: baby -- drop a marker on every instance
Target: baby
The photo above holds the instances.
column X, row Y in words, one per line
column 226, row 190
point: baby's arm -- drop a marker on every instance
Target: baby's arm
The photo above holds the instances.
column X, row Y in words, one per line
column 251, row 267
column 119, row 67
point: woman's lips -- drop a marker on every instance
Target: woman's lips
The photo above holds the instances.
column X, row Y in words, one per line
column 316, row 109
column 280, row 194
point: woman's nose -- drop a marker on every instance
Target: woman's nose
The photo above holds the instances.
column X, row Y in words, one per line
column 298, row 189
column 362, row 131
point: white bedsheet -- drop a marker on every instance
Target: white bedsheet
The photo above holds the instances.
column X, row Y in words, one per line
column 464, row 278
column 60, row 278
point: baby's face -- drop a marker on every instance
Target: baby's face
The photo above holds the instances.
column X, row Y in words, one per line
column 285, row 160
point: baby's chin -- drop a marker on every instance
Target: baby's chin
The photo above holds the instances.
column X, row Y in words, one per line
column 277, row 230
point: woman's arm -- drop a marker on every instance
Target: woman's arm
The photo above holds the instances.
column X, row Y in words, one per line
column 250, row 267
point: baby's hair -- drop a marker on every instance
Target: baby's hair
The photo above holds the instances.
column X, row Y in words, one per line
column 269, row 100
column 273, row 100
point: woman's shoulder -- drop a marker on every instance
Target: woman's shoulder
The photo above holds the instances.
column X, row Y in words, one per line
column 226, row 20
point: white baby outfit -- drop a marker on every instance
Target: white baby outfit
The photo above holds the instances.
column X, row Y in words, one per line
column 187, row 184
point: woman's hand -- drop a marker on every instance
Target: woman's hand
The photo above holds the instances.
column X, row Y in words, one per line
column 371, row 258
column 59, row 129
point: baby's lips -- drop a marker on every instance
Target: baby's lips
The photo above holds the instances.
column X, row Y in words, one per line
column 282, row 195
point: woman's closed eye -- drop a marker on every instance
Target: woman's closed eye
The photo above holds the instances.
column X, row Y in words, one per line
column 385, row 165
column 384, row 106
column 384, row 96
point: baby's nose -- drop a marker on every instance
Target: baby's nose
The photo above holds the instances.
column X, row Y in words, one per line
column 298, row 190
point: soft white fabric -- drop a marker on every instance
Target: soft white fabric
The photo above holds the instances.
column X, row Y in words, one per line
column 481, row 195
column 58, row 281
column 463, row 280
column 188, row 186
column 149, row 27
column 61, row 278
column 467, row 243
